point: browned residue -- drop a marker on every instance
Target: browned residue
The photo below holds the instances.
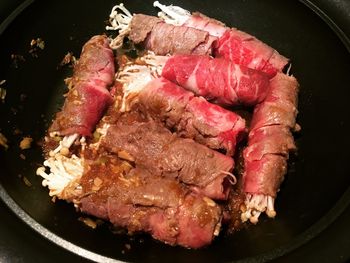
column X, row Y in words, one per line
column 3, row 141
column 25, row 143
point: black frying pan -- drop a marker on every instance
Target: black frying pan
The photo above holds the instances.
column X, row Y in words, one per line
column 316, row 190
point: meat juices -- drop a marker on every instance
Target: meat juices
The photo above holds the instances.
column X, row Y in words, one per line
column 269, row 143
column 88, row 96
column 192, row 117
column 217, row 79
column 162, row 38
column 155, row 148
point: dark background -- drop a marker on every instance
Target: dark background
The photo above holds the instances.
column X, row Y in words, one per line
column 19, row 243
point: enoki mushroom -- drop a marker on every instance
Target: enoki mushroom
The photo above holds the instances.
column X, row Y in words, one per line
column 134, row 76
column 63, row 171
column 119, row 21
column 174, row 15
column 64, row 144
column 257, row 204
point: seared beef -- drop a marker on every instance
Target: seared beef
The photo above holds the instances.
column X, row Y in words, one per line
column 244, row 49
column 202, row 22
column 264, row 176
column 280, row 106
column 270, row 139
column 219, row 79
column 164, row 39
column 96, row 63
column 275, row 139
column 88, row 96
column 192, row 117
column 237, row 46
column 139, row 201
column 153, row 147
column 139, row 175
column 140, row 27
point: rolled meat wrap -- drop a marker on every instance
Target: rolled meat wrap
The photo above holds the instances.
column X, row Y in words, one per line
column 156, row 35
column 112, row 189
column 163, row 38
column 88, row 96
column 269, row 143
column 245, row 49
column 137, row 200
column 232, row 44
column 153, row 147
column 192, row 117
column 174, row 34
column 217, row 79
column 180, row 110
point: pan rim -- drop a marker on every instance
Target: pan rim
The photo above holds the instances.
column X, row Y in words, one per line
column 313, row 231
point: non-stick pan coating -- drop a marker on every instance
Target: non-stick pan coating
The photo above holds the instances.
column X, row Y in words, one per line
column 315, row 191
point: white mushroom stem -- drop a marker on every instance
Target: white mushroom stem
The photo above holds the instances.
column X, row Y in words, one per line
column 119, row 21
column 232, row 178
column 217, row 229
column 135, row 76
column 63, row 172
column 257, row 204
column 102, row 131
column 83, row 143
column 289, row 69
column 65, row 144
column 174, row 15
column 154, row 62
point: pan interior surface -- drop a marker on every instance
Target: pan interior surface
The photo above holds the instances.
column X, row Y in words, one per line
column 317, row 177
